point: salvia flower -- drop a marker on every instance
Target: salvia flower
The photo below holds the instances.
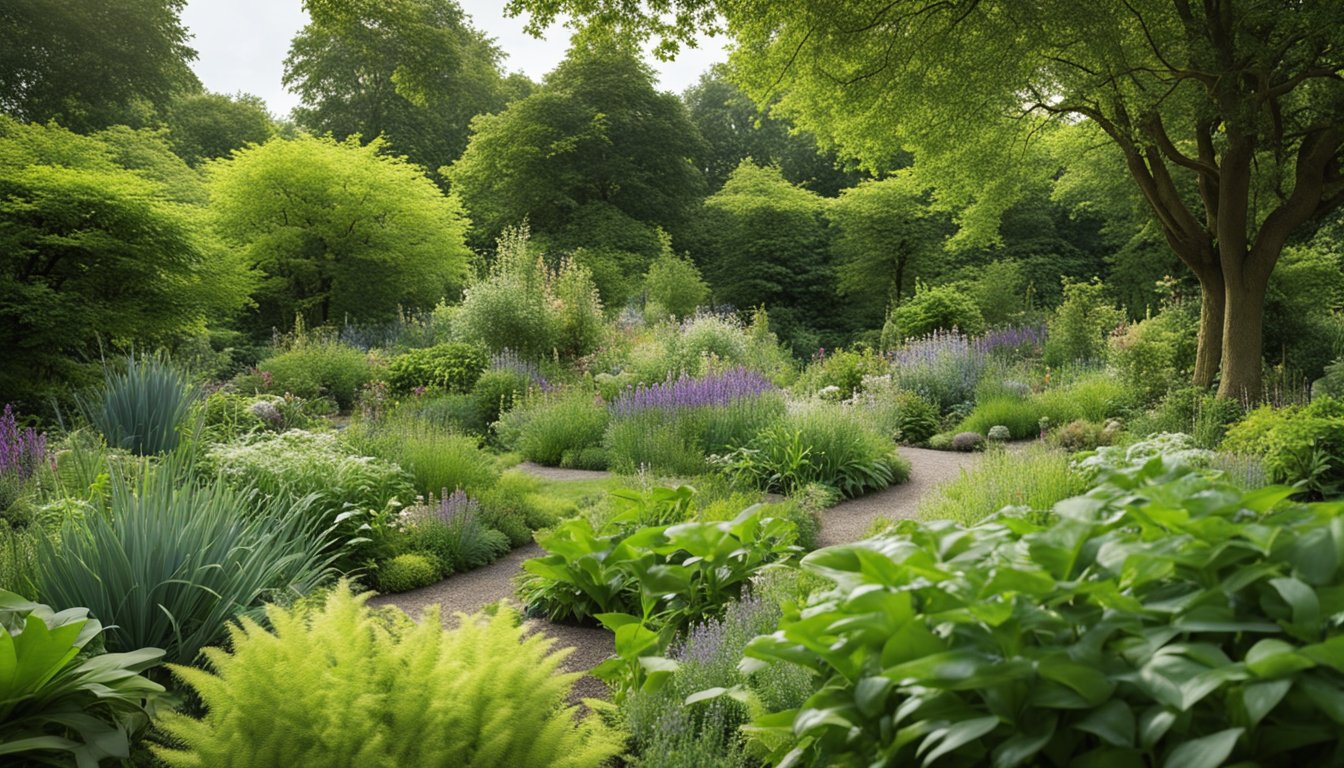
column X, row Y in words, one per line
column 22, row 451
column 715, row 389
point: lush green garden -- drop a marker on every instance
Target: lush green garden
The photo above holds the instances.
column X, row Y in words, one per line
column 630, row 356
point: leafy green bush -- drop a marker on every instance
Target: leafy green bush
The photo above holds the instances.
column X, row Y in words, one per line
column 451, row 367
column 299, row 464
column 313, row 369
column 1081, row 324
column 496, row 392
column 58, row 704
column 170, row 562
column 934, row 308
column 514, row 507
column 1165, row 618
column 142, row 408
column 843, row 369
column 543, row 428
column 677, row 440
column 1332, row 383
column 1034, row 479
column 831, row 445
column 673, row 286
column 1082, row 435
column 1149, row 354
column 915, row 419
column 455, row 413
column 408, row 571
column 435, row 458
column 1094, row 397
column 485, row 694
column 1298, row 444
column 685, row 572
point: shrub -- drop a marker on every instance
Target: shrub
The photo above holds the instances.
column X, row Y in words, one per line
column 1094, row 397
column 408, row 571
column 435, row 458
column 941, row 441
column 1081, row 324
column 968, row 441
column 452, row 413
column 314, row 369
column 451, row 367
column 453, row 531
column 1298, row 444
column 1194, row 411
column 579, row 324
column 689, row 570
column 544, row 427
column 1332, row 383
column 170, row 562
column 844, row 370
column 513, row 507
column 497, row 391
column 61, row 705
column 486, row 693
column 1034, row 479
column 142, row 408
column 1164, row 630
column 905, row 416
column 593, row 458
column 1146, row 357
column 933, row 308
column 830, row 445
column 673, row 285
column 1081, row 435
column 999, row 434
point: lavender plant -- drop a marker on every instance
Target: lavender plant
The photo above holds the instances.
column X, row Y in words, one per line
column 944, row 367
column 22, row 451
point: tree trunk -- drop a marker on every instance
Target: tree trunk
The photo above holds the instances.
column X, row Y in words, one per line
column 1243, row 338
column 1212, row 305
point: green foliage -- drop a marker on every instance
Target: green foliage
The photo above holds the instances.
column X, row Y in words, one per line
column 844, row 369
column 453, row 531
column 517, row 505
column 527, row 307
column 1083, row 435
column 414, row 73
column 451, row 367
column 314, row 369
column 58, row 704
column 1304, row 305
column 671, row 575
column 1298, row 444
column 346, row 490
column 769, row 249
column 496, row 392
column 1174, row 618
column 915, row 419
column 1034, row 479
column 18, row 558
column 76, row 64
column 1080, row 325
column 936, row 308
column 348, row 233
column 597, row 132
column 544, row 428
column 143, row 408
column 1332, row 383
column 204, row 126
column 169, row 562
column 677, row 441
column 436, row 458
column 408, row 571
column 1020, row 415
column 1153, row 354
column 78, row 219
column 1194, row 411
column 673, row 286
column 829, row 445
column 485, row 694
column 1095, row 397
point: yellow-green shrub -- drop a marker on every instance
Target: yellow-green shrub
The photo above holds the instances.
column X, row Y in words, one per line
column 342, row 687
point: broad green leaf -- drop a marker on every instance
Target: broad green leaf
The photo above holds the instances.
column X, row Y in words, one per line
column 948, row 739
column 1275, row 658
column 1208, row 752
column 1260, row 698
column 1112, row 722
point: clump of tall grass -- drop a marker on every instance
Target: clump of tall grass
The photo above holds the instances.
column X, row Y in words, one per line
column 143, row 406
column 436, row 458
column 1035, row 478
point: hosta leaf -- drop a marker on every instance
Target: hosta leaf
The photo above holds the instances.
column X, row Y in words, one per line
column 1260, row 698
column 1208, row 752
column 1112, row 722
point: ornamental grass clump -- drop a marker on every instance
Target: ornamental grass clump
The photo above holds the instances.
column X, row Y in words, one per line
column 143, row 407
column 343, row 686
column 1164, row 618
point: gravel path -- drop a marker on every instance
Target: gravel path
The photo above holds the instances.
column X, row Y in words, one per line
column 848, row 521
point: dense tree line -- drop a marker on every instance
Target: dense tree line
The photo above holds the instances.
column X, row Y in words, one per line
column 204, row 216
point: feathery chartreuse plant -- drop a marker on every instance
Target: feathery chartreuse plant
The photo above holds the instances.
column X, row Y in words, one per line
column 341, row 685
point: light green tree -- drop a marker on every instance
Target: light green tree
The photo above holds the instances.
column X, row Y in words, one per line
column 337, row 230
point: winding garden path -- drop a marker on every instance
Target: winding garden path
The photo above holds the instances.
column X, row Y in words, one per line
column 848, row 521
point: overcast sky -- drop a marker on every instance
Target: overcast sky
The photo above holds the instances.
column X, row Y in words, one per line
column 241, row 46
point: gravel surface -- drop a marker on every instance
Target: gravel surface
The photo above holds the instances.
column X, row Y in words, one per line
column 848, row 521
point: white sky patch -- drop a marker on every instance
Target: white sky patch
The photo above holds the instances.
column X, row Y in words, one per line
column 241, row 46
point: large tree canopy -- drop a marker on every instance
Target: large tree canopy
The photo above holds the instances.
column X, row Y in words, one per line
column 595, row 133
column 99, row 250
column 337, row 230
column 414, row 72
column 203, row 126
column 88, row 65
column 1244, row 98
